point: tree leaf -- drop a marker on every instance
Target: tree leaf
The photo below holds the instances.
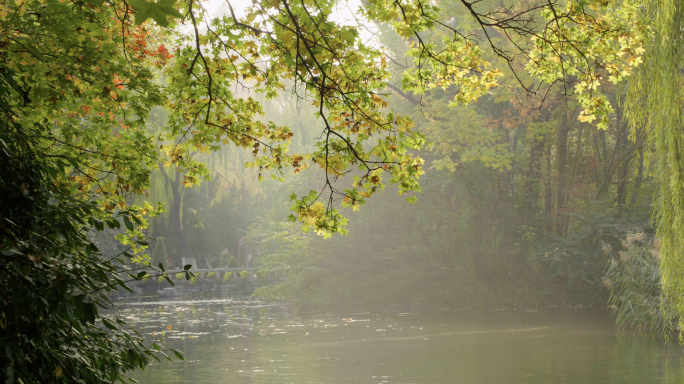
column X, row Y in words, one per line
column 108, row 324
column 157, row 11
column 169, row 280
column 178, row 354
column 128, row 223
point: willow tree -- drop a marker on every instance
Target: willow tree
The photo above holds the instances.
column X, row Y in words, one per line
column 654, row 105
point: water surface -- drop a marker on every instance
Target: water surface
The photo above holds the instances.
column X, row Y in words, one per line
column 248, row 342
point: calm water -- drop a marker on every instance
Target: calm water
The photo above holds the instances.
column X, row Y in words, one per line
column 245, row 342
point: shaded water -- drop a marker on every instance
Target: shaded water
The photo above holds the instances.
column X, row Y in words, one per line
column 245, row 342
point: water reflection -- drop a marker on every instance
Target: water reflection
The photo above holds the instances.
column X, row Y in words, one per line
column 249, row 342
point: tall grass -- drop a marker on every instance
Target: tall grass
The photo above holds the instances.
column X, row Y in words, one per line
column 634, row 279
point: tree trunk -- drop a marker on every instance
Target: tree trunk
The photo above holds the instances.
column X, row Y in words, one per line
column 548, row 191
column 561, row 162
column 175, row 215
column 608, row 176
column 622, row 181
column 532, row 186
column 243, row 185
column 639, row 179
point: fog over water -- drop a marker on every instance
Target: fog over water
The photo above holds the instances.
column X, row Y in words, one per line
column 251, row 342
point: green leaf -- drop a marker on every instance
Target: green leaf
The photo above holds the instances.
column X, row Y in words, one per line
column 157, row 11
column 89, row 312
column 69, row 312
column 98, row 224
column 187, row 267
column 108, row 324
column 73, row 162
column 128, row 223
column 178, row 354
column 126, row 287
column 91, row 248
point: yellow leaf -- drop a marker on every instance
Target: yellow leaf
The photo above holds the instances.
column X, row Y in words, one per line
column 58, row 372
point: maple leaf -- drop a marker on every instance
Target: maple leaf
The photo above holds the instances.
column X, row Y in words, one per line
column 155, row 10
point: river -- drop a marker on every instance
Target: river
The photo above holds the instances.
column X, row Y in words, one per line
column 248, row 342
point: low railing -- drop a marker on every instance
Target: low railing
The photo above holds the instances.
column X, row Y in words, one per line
column 219, row 271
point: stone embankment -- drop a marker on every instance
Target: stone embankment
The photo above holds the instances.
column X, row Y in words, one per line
column 152, row 289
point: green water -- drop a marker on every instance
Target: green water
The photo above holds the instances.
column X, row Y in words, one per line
column 244, row 342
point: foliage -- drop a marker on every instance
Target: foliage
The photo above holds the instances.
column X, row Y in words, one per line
column 210, row 275
column 592, row 42
column 654, row 109
column 228, row 260
column 279, row 41
column 578, row 260
column 227, row 276
column 633, row 277
column 77, row 87
column 527, row 181
column 79, row 82
column 577, row 43
column 286, row 253
column 54, row 282
column 232, row 262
